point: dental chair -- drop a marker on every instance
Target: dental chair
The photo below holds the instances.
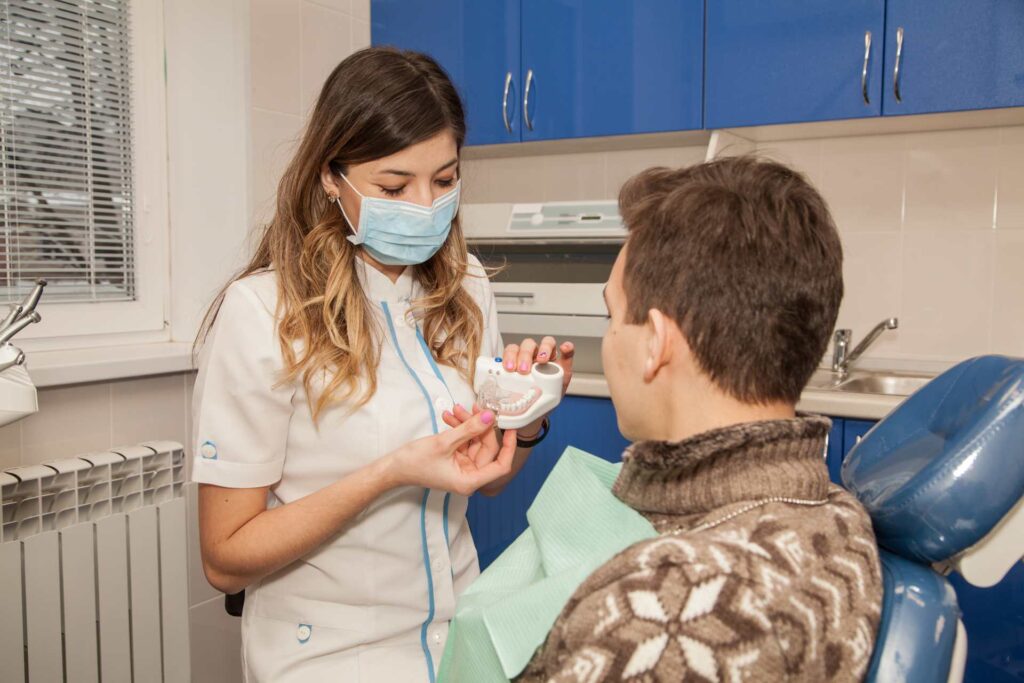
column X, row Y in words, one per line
column 943, row 480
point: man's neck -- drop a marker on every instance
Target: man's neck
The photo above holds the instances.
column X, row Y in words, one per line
column 704, row 408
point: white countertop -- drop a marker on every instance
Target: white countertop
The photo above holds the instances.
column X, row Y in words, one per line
column 836, row 403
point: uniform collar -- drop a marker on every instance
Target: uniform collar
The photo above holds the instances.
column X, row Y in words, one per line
column 378, row 287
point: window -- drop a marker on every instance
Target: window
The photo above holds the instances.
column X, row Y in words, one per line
column 77, row 129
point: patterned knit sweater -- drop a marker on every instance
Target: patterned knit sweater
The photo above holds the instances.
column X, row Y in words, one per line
column 763, row 570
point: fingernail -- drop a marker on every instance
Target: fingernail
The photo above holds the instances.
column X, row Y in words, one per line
column 510, row 364
column 446, row 413
column 459, row 405
column 542, row 354
column 524, row 366
column 487, row 417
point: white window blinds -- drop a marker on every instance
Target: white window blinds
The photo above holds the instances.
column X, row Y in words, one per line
column 66, row 150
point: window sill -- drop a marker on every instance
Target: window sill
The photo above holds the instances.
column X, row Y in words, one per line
column 75, row 366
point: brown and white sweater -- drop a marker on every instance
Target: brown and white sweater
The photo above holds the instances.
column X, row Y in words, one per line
column 763, row 571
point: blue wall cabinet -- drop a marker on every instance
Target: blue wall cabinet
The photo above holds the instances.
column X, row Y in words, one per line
column 953, row 55
column 477, row 42
column 608, row 67
column 781, row 61
column 586, row 423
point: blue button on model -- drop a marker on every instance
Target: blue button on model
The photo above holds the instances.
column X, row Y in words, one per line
column 497, row 359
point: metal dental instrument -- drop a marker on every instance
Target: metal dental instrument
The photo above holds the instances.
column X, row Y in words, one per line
column 22, row 311
column 7, row 334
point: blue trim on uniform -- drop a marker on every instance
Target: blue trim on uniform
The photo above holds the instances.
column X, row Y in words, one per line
column 423, row 504
column 430, row 585
column 447, row 500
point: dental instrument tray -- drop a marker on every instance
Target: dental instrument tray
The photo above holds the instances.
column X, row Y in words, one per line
column 517, row 399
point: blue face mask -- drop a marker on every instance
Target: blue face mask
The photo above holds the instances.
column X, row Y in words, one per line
column 398, row 233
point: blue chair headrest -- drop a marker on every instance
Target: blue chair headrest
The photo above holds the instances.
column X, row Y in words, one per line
column 943, row 469
column 917, row 631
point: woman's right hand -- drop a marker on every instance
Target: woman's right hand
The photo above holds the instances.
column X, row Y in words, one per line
column 460, row 460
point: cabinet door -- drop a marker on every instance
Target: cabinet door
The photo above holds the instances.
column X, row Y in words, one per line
column 586, row 423
column 608, row 67
column 834, row 450
column 854, row 431
column 476, row 41
column 954, row 55
column 781, row 61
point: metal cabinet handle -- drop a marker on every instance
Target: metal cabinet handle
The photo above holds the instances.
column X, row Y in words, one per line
column 504, row 102
column 864, row 70
column 526, row 100
column 513, row 295
column 896, row 70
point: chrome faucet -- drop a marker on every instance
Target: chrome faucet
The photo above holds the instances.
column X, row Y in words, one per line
column 843, row 358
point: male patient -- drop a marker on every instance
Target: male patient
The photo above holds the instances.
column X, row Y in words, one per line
column 721, row 304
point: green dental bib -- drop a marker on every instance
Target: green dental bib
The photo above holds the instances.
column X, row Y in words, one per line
column 576, row 525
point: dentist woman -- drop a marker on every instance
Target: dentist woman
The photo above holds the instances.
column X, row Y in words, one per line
column 331, row 487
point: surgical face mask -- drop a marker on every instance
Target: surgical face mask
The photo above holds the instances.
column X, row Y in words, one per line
column 398, row 233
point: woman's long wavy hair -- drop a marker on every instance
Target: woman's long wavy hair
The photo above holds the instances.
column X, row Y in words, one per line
column 377, row 102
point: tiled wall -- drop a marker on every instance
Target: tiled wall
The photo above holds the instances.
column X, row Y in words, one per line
column 932, row 226
column 77, row 419
column 295, row 45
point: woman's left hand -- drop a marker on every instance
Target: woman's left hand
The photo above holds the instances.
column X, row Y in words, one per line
column 521, row 357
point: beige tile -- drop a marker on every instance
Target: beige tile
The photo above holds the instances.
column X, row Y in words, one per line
column 947, row 294
column 1010, row 169
column 71, row 421
column 862, row 181
column 1008, row 304
column 571, row 177
column 872, row 279
column 199, row 589
column 802, row 155
column 515, row 179
column 361, row 9
column 274, row 38
column 326, row 40
column 338, row 5
column 215, row 643
column 148, row 409
column 623, row 165
column 10, row 445
column 360, row 34
column 951, row 180
column 274, row 138
column 475, row 177
column 190, row 384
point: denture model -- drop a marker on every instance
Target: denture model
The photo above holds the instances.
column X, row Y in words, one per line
column 517, row 399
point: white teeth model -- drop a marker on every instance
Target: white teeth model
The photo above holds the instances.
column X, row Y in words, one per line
column 517, row 399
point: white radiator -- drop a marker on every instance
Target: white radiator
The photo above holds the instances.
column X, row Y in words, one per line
column 93, row 569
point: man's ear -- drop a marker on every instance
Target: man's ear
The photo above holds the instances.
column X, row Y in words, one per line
column 659, row 343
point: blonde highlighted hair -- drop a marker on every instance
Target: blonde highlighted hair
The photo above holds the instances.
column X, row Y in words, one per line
column 377, row 102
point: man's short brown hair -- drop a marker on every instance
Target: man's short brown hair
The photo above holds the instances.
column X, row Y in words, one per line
column 743, row 254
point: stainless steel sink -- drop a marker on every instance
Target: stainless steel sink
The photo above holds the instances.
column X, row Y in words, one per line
column 865, row 382
column 890, row 384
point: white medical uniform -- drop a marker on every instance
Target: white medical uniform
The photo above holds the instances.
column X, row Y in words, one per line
column 373, row 603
